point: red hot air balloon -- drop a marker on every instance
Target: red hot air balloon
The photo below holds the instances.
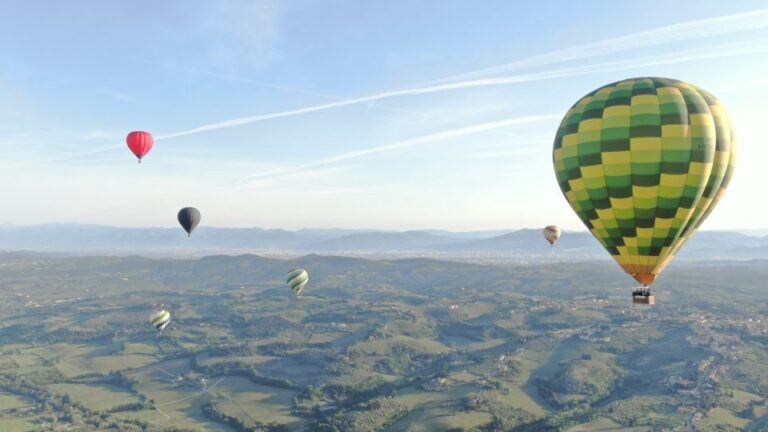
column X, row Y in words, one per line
column 140, row 143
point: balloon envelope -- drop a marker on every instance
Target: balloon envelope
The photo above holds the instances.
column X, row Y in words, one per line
column 552, row 233
column 140, row 143
column 160, row 319
column 189, row 218
column 643, row 162
column 297, row 279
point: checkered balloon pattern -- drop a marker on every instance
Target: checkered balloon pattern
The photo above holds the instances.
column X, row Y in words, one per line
column 643, row 162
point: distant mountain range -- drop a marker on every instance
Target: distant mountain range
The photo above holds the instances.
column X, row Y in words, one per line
column 97, row 239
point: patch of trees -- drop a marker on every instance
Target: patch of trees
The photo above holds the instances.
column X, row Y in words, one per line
column 265, row 327
column 504, row 417
column 366, row 417
column 55, row 409
column 134, row 406
column 241, row 369
column 279, row 348
column 120, row 379
column 210, row 410
column 359, row 392
column 327, row 318
column 64, row 335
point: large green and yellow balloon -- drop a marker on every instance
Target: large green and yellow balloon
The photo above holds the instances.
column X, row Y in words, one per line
column 643, row 162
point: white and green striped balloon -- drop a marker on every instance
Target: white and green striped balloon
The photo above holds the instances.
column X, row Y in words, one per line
column 297, row 279
column 160, row 319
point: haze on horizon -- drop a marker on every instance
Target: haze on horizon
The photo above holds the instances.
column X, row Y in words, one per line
column 298, row 115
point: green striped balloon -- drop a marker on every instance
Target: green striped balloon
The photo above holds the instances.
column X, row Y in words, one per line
column 643, row 162
column 297, row 279
column 160, row 319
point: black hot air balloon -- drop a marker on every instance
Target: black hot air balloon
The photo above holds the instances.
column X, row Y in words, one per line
column 189, row 217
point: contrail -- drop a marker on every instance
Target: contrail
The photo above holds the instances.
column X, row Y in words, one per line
column 685, row 31
column 273, row 86
column 223, row 76
column 411, row 142
column 726, row 50
column 62, row 158
column 719, row 51
column 705, row 28
column 698, row 29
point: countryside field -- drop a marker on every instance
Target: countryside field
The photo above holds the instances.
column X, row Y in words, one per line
column 385, row 350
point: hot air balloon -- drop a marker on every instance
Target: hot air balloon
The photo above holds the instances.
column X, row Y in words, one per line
column 552, row 233
column 189, row 217
column 643, row 162
column 140, row 143
column 297, row 279
column 160, row 320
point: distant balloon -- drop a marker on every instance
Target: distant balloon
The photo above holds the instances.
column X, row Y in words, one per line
column 297, row 279
column 552, row 233
column 160, row 319
column 140, row 143
column 189, row 217
column 643, row 162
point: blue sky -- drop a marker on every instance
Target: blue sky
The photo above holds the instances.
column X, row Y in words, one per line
column 301, row 114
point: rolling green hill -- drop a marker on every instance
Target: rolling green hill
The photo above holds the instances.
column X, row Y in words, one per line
column 414, row 345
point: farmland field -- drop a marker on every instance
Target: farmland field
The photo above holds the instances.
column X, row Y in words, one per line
column 383, row 353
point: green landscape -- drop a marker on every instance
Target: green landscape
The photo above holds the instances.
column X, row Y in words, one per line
column 383, row 216
column 388, row 345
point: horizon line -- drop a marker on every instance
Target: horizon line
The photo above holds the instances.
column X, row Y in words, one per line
column 361, row 230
